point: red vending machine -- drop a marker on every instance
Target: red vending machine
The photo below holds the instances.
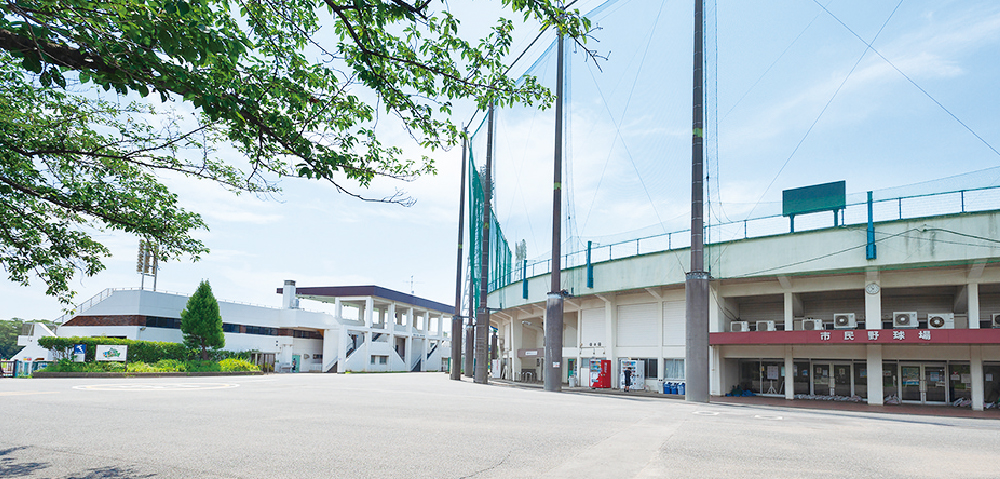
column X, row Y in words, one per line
column 600, row 373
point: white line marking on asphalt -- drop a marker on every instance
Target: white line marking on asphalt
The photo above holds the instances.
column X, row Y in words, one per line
column 706, row 413
column 767, row 418
column 157, row 387
column 26, row 393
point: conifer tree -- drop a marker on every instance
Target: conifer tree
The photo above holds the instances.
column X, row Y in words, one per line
column 201, row 322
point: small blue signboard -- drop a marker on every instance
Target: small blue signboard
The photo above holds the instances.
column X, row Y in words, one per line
column 79, row 352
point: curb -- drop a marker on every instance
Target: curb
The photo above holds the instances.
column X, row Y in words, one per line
column 76, row 375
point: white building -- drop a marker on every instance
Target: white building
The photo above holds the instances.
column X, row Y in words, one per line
column 360, row 336
column 804, row 313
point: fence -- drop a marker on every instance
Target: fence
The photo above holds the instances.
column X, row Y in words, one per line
column 16, row 369
column 856, row 213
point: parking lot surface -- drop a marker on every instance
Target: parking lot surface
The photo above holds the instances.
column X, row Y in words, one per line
column 422, row 425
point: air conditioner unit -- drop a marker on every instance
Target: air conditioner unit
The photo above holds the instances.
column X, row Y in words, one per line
column 844, row 321
column 904, row 320
column 996, row 320
column 739, row 326
column 765, row 326
column 811, row 324
column 941, row 321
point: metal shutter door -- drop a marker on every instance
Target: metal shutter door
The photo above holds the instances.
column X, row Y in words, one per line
column 592, row 327
column 674, row 323
column 637, row 324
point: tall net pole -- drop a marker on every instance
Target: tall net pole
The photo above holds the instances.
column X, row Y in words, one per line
column 696, row 283
column 483, row 315
column 456, row 319
column 554, row 302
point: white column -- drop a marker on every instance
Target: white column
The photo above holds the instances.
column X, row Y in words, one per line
column 516, row 342
column 789, row 312
column 874, row 365
column 369, row 307
column 342, row 353
column 978, row 386
column 873, row 311
column 369, row 311
column 611, row 334
column 974, row 306
column 338, row 309
column 409, row 340
column 390, row 327
column 579, row 351
column 789, row 365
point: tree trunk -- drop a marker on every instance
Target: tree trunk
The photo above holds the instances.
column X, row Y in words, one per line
column 204, row 353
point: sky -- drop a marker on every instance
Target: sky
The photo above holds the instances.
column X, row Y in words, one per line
column 795, row 98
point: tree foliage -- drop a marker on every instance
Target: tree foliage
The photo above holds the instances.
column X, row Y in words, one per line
column 296, row 86
column 201, row 322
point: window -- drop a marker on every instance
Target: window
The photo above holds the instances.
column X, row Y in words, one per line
column 380, row 360
column 673, row 369
column 652, row 368
column 230, row 328
column 160, row 322
column 306, row 334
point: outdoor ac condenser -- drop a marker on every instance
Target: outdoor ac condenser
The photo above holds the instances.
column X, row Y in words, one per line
column 765, row 326
column 941, row 321
column 904, row 320
column 844, row 321
column 739, row 326
column 811, row 324
column 996, row 320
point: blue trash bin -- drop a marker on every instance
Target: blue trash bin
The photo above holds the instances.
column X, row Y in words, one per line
column 666, row 388
column 680, row 389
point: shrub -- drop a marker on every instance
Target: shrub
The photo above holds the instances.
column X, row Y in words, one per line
column 201, row 366
column 235, row 364
column 139, row 351
column 67, row 366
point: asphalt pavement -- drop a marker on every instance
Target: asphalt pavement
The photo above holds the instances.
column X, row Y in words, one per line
column 423, row 425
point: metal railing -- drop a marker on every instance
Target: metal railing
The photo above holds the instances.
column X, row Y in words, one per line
column 856, row 213
column 97, row 298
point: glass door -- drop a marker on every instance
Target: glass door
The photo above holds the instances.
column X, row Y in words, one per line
column 936, row 383
column 842, row 379
column 910, row 384
column 890, row 375
column 821, row 379
column 861, row 379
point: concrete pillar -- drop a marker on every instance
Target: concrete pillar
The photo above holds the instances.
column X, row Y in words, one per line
column 974, row 306
column 408, row 360
column 390, row 328
column 873, row 310
column 611, row 335
column 874, row 366
column 338, row 308
column 978, row 385
column 789, row 311
column 367, row 313
column 516, row 342
column 288, row 299
column 789, row 366
column 342, row 353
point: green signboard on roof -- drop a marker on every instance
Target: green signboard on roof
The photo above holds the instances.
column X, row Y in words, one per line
column 810, row 199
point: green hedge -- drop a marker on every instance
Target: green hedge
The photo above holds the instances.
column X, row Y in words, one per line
column 144, row 351
column 140, row 351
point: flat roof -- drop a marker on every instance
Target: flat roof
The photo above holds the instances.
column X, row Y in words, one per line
column 320, row 292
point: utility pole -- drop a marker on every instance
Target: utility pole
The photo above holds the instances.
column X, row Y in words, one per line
column 483, row 316
column 554, row 302
column 696, row 287
column 456, row 319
